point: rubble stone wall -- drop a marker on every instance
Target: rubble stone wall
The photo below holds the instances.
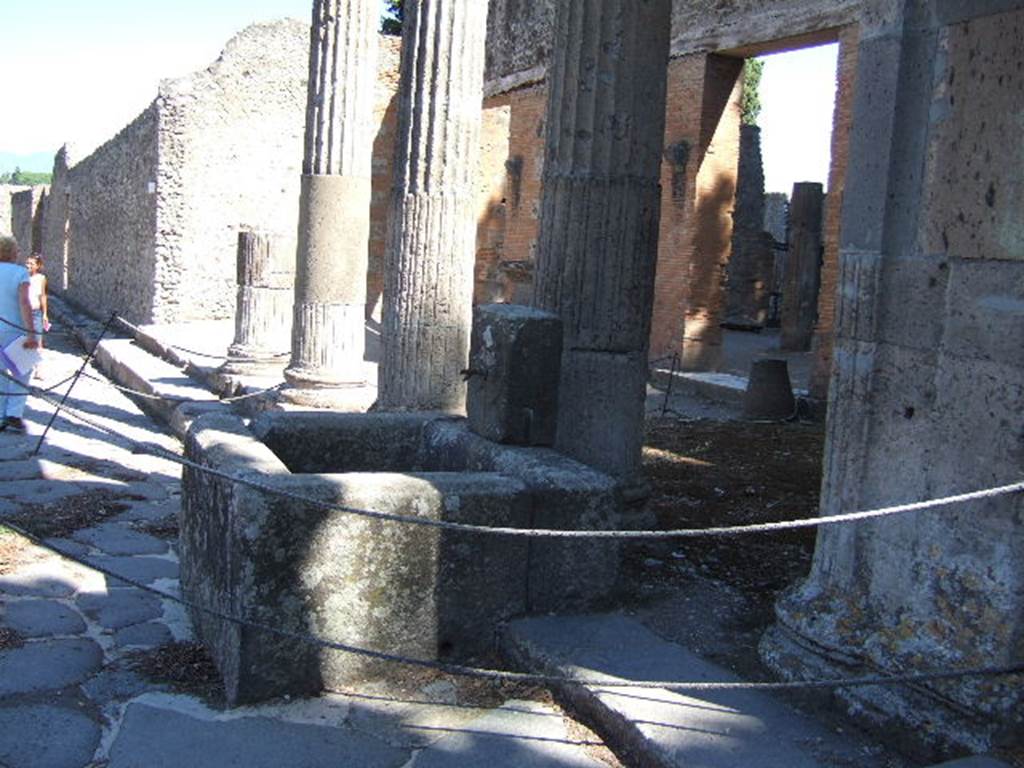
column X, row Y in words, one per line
column 27, row 207
column 112, row 223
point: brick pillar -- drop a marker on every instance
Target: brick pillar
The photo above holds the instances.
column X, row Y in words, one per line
column 751, row 260
column 598, row 239
column 428, row 277
column 328, row 335
column 803, row 267
column 263, row 309
column 699, row 176
column 824, row 330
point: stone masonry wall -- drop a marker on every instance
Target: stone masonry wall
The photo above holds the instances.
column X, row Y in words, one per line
column 230, row 149
column 7, row 191
column 27, row 207
column 55, row 224
column 520, row 31
column 112, row 223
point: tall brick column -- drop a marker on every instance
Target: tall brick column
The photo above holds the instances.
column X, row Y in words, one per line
column 328, row 334
column 598, row 242
column 428, row 275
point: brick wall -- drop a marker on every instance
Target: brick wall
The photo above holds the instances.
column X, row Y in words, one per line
column 846, row 75
column 698, row 192
column 511, row 277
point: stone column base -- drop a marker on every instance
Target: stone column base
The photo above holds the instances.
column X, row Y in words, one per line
column 916, row 718
column 350, row 398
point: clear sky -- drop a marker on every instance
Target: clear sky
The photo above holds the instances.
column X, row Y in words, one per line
column 80, row 70
column 797, row 98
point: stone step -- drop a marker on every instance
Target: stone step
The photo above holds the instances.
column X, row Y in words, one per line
column 169, row 394
column 655, row 727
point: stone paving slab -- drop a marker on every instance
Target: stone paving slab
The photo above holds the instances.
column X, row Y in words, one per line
column 46, row 736
column 152, row 737
column 120, row 608
column 520, row 734
column 145, row 570
column 117, row 539
column 40, row 618
column 152, row 634
column 43, row 665
column 717, row 729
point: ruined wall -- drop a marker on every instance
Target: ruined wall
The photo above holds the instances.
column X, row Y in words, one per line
column 509, row 276
column 713, row 25
column 520, row 31
column 112, row 223
column 698, row 192
column 55, row 224
column 6, row 193
column 750, row 262
column 697, row 197
column 230, row 152
column 386, row 118
column 27, row 210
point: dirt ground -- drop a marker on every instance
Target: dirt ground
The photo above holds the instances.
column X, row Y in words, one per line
column 722, row 473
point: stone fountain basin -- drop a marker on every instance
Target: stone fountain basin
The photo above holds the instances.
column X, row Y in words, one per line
column 392, row 587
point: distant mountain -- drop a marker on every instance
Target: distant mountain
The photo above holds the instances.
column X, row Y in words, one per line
column 41, row 162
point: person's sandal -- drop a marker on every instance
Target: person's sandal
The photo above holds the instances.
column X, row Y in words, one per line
column 15, row 424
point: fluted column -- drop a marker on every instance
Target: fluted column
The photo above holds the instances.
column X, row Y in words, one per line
column 428, row 278
column 265, row 263
column 598, row 239
column 328, row 332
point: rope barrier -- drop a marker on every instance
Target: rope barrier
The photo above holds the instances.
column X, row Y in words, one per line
column 529, row 677
column 137, row 330
column 504, row 675
column 677, row 533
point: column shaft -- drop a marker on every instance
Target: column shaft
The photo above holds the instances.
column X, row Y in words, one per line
column 334, row 208
column 264, row 304
column 428, row 280
column 598, row 241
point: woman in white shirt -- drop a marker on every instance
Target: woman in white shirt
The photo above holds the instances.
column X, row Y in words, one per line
column 37, row 295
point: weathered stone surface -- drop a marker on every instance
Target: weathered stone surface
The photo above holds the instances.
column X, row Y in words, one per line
column 50, row 579
column 120, row 607
column 521, row 733
column 46, row 736
column 598, row 241
column 142, row 569
column 751, row 257
column 115, row 539
column 769, row 392
column 175, row 167
column 374, row 584
column 263, row 308
column 38, row 618
column 158, row 738
column 46, row 665
column 925, row 400
column 428, row 277
column 334, row 207
column 149, row 635
column 514, row 363
column 803, row 267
